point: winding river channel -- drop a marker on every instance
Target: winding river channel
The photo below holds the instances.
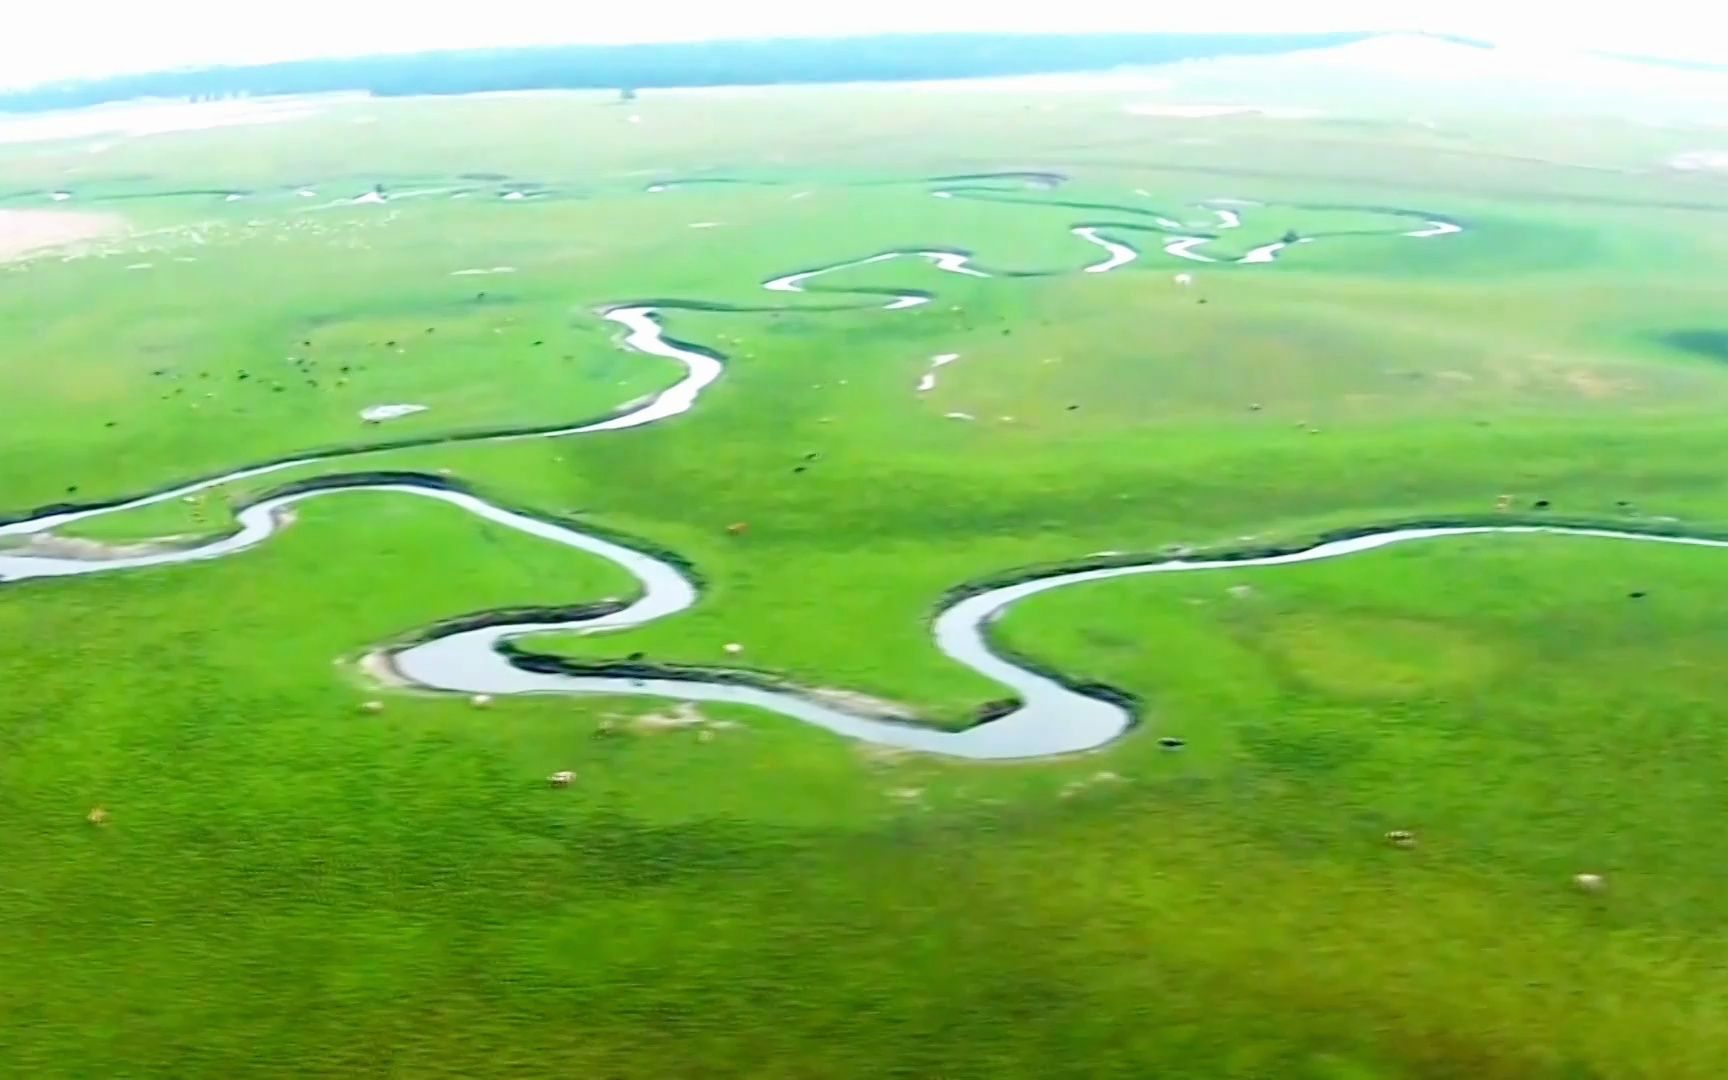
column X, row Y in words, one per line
column 1051, row 716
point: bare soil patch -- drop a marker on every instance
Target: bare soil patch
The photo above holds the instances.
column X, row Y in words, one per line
column 1592, row 384
column 47, row 545
column 26, row 232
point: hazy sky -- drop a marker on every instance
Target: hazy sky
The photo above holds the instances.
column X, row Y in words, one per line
column 50, row 40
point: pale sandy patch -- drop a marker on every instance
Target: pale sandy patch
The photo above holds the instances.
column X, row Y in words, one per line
column 378, row 666
column 683, row 715
column 1591, row 384
column 876, row 753
column 24, row 232
column 856, row 702
column 50, row 546
column 1075, row 786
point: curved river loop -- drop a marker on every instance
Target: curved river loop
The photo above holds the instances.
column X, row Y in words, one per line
column 1051, row 716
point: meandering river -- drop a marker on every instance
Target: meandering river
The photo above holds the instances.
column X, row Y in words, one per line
column 1051, row 717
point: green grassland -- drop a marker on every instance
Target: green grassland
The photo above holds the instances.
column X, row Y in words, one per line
column 288, row 885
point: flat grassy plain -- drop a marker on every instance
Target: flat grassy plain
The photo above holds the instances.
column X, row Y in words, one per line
column 289, row 886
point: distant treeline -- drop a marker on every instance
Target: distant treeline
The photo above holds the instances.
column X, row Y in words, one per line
column 707, row 63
